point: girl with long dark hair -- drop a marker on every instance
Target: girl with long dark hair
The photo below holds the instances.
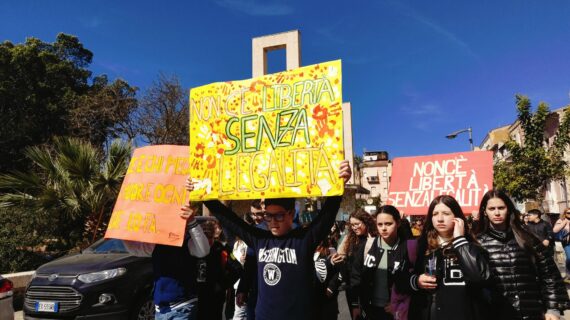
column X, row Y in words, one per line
column 361, row 231
column 373, row 269
column 451, row 268
column 526, row 281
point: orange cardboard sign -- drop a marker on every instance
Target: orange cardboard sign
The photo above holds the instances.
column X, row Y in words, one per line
column 148, row 206
column 416, row 181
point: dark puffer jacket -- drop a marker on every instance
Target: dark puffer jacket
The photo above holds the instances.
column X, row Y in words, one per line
column 522, row 288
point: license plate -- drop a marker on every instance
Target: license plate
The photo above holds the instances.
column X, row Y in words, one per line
column 46, row 306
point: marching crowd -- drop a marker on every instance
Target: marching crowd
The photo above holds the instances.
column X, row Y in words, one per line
column 490, row 266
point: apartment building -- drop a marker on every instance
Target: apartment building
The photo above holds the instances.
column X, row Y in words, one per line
column 556, row 195
column 376, row 170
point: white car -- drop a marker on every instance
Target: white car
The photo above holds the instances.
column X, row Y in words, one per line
column 6, row 293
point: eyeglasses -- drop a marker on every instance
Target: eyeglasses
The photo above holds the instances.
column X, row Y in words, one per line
column 257, row 214
column 356, row 225
column 280, row 216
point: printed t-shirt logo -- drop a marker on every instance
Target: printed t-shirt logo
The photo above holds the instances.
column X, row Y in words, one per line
column 277, row 255
column 271, row 274
column 453, row 275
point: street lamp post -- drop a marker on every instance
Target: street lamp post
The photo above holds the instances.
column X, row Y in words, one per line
column 455, row 133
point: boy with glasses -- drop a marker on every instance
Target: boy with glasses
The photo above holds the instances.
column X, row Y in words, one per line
column 284, row 255
column 256, row 212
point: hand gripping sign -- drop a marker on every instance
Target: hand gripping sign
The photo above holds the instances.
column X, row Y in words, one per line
column 148, row 205
column 416, row 181
column 278, row 135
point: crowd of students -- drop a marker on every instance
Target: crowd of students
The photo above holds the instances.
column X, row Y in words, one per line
column 500, row 269
column 442, row 267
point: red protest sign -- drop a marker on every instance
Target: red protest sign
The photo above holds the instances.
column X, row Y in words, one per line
column 148, row 205
column 416, row 181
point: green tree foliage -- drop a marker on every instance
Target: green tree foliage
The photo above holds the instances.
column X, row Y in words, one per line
column 535, row 162
column 22, row 237
column 72, row 186
column 45, row 92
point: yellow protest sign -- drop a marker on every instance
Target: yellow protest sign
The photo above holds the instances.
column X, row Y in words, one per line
column 152, row 193
column 278, row 135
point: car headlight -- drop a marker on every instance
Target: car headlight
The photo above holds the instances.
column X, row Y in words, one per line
column 101, row 275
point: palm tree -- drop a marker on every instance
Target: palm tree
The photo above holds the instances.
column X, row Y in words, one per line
column 72, row 184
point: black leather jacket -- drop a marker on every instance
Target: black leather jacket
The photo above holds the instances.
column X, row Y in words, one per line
column 523, row 286
column 462, row 272
column 345, row 274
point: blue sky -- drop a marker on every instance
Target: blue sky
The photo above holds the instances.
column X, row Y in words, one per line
column 414, row 71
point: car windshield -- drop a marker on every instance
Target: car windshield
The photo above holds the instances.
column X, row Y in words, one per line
column 107, row 246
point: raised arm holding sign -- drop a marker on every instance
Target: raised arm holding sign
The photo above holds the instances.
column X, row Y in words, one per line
column 284, row 255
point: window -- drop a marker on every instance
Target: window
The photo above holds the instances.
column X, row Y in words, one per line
column 107, row 246
column 373, row 180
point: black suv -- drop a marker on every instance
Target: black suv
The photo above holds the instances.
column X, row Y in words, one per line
column 102, row 282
